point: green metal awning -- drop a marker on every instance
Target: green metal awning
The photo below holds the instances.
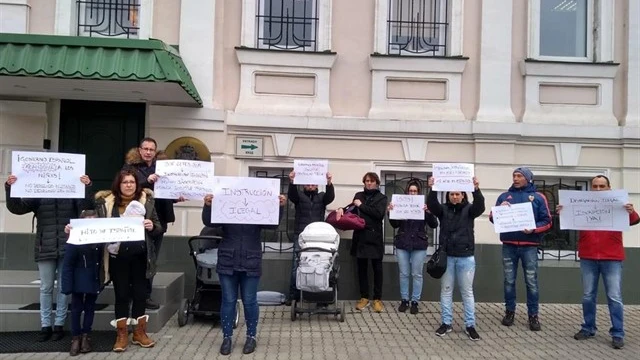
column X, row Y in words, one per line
column 94, row 69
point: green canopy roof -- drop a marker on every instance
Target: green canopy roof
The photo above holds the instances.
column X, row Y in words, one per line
column 88, row 58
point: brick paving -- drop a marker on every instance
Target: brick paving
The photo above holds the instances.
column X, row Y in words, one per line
column 390, row 335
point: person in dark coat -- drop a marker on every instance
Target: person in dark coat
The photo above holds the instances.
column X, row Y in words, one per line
column 311, row 206
column 51, row 216
column 130, row 263
column 143, row 160
column 83, row 278
column 411, row 244
column 457, row 218
column 239, row 266
column 367, row 245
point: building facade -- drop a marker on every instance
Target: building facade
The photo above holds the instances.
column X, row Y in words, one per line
column 390, row 86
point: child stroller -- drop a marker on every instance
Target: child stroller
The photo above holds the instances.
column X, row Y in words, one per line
column 317, row 272
column 207, row 296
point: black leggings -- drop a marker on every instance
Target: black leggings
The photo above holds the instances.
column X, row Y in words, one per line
column 363, row 278
column 128, row 273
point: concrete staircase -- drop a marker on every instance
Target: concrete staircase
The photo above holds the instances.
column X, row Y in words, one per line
column 17, row 289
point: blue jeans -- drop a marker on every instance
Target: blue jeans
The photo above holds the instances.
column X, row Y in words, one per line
column 410, row 261
column 611, row 271
column 463, row 269
column 249, row 291
column 529, row 256
column 50, row 271
column 80, row 303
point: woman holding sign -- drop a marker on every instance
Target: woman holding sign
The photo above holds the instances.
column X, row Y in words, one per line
column 130, row 263
column 457, row 216
column 411, row 244
column 239, row 265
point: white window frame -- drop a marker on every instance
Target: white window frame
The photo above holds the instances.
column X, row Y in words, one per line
column 66, row 18
column 600, row 16
column 381, row 36
column 249, row 23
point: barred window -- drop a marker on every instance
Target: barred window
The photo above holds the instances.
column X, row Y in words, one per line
column 287, row 24
column 108, row 18
column 418, row 27
column 393, row 182
column 281, row 239
column 559, row 244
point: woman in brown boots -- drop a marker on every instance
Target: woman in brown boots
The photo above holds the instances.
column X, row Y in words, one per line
column 130, row 263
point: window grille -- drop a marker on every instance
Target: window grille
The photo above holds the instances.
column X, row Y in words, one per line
column 287, row 24
column 108, row 18
column 418, row 27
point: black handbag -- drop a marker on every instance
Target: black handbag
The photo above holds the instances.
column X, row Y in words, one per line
column 437, row 264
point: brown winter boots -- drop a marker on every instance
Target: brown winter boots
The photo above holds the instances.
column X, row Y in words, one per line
column 140, row 333
column 122, row 335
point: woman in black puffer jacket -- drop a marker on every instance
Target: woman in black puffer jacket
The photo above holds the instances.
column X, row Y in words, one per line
column 457, row 237
column 411, row 244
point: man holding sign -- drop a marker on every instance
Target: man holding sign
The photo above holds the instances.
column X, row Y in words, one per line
column 523, row 245
column 601, row 253
column 52, row 215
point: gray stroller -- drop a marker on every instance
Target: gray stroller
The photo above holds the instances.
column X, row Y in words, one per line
column 317, row 272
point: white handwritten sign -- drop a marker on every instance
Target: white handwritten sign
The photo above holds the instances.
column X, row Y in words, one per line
column 47, row 175
column 106, row 230
column 187, row 178
column 594, row 210
column 453, row 177
column 245, row 200
column 515, row 217
column 310, row 172
column 407, row 207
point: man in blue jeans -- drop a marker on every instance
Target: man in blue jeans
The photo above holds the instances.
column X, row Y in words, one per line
column 523, row 245
column 601, row 253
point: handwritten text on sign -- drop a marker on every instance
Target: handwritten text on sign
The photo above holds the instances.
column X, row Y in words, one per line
column 407, row 207
column 310, row 172
column 515, row 217
column 244, row 200
column 187, row 178
column 106, row 230
column 453, row 177
column 594, row 210
column 47, row 175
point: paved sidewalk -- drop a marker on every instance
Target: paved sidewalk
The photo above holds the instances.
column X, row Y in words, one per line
column 390, row 335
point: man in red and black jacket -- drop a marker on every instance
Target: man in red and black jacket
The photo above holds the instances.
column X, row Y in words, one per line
column 601, row 253
column 523, row 246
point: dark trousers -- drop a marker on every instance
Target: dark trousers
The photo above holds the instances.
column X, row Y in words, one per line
column 157, row 242
column 128, row 273
column 81, row 302
column 363, row 278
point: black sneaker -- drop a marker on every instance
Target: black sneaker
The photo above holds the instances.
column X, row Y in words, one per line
column 534, row 323
column 583, row 335
column 414, row 307
column 58, row 333
column 617, row 342
column 45, row 334
column 404, row 305
column 151, row 305
column 508, row 318
column 472, row 333
column 444, row 329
